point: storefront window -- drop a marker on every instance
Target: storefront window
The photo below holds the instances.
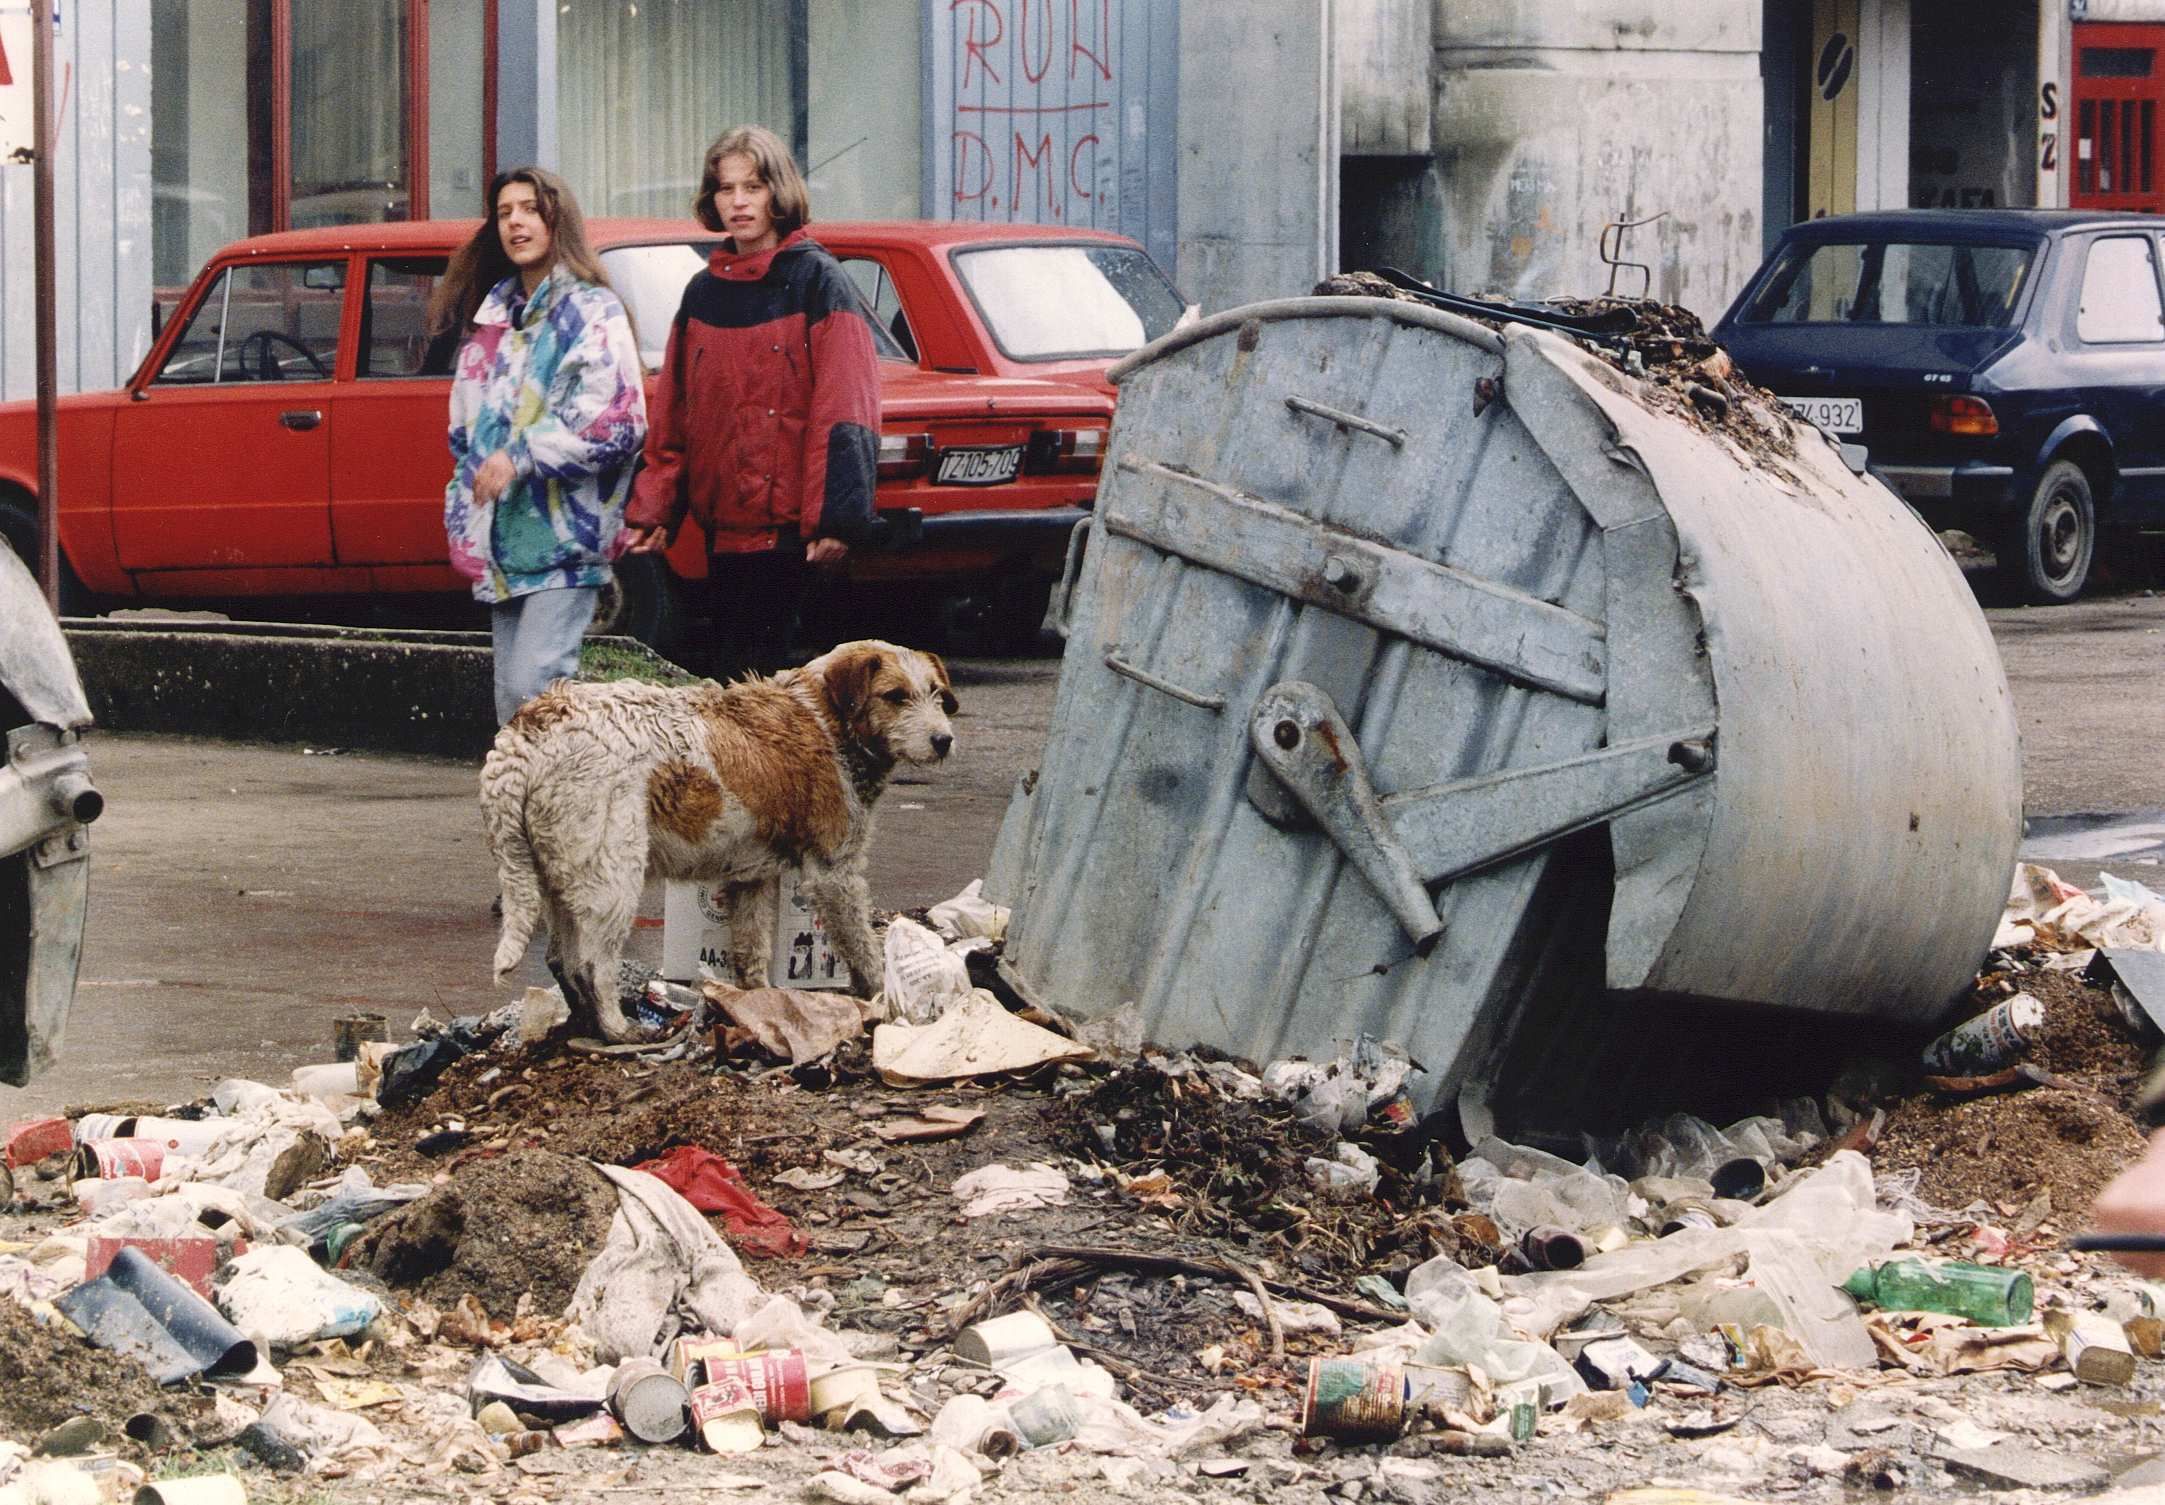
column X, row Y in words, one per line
column 351, row 162
column 198, row 135
column 643, row 88
column 457, row 97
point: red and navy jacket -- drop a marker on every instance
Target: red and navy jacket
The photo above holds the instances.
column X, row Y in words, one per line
column 766, row 415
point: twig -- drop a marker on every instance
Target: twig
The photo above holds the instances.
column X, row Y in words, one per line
column 1270, row 1313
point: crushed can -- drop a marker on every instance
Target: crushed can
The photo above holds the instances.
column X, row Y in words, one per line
column 1047, row 1415
column 726, row 1417
column 1994, row 1039
column 1354, row 1400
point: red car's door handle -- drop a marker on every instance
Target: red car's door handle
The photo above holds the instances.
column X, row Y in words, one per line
column 301, row 418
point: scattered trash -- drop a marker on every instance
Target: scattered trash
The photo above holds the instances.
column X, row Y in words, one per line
column 280, row 1296
column 2096, row 1349
column 975, row 1037
column 993, row 1189
column 712, row 1184
column 138, row 1310
column 1988, row 1297
column 923, row 978
column 928, row 1124
column 726, row 1417
column 969, row 914
column 1354, row 1400
column 790, row 1024
column 649, row 1400
column 1987, row 1042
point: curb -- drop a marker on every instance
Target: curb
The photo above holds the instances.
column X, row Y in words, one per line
column 373, row 689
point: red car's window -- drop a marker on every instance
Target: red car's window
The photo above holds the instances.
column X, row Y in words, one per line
column 883, row 304
column 395, row 339
column 267, row 321
column 650, row 280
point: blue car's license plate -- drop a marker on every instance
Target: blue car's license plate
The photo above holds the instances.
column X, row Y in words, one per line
column 1837, row 415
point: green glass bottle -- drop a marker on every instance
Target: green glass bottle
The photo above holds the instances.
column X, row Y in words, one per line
column 1988, row 1297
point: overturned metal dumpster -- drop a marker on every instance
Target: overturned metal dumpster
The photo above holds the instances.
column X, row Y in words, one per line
column 1427, row 682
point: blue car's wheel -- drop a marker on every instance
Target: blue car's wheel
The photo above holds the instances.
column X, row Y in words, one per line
column 2045, row 555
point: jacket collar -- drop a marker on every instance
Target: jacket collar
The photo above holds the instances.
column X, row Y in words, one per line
column 724, row 262
column 507, row 295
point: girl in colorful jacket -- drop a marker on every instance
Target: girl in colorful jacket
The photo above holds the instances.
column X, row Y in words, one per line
column 548, row 411
column 767, row 410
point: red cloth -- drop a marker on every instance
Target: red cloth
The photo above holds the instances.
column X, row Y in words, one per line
column 712, row 1184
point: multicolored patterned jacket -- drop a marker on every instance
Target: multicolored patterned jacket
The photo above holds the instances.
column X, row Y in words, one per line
column 555, row 382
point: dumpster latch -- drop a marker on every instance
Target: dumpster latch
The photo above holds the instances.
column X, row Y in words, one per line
column 1301, row 738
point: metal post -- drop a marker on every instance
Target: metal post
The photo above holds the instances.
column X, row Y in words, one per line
column 41, row 217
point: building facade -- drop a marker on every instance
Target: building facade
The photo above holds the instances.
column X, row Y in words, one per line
column 1510, row 146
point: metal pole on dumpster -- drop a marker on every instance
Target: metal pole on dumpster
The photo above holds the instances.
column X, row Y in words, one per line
column 41, row 232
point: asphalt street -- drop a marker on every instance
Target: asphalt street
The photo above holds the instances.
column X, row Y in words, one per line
column 245, row 896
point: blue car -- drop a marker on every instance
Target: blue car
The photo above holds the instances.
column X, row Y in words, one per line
column 2005, row 369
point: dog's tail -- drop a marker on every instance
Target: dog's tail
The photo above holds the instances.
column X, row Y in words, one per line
column 503, row 819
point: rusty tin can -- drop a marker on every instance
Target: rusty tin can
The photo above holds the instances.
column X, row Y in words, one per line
column 1354, row 1400
column 649, row 1400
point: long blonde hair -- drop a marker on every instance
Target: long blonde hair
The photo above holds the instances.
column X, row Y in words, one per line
column 482, row 262
column 792, row 200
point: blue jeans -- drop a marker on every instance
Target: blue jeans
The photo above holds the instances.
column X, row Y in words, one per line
column 537, row 642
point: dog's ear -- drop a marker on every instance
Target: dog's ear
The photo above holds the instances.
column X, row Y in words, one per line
column 849, row 684
column 948, row 703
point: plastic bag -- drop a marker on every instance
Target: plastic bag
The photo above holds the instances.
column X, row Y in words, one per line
column 277, row 1294
column 921, row 978
column 1466, row 1327
column 969, row 914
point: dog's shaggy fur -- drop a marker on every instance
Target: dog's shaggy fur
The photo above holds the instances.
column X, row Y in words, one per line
column 591, row 788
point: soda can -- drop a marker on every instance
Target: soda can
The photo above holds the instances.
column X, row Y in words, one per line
column 1047, row 1415
column 1992, row 1040
column 1354, row 1400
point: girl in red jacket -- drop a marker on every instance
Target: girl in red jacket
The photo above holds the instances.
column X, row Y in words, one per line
column 765, row 419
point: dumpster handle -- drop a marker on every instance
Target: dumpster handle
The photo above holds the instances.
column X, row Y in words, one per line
column 1121, row 666
column 1061, row 603
column 1395, row 438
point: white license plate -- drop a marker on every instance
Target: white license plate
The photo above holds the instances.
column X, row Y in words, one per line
column 1837, row 415
column 979, row 467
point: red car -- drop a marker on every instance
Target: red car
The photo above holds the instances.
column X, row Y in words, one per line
column 285, row 436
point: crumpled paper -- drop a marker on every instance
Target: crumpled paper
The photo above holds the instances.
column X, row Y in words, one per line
column 976, row 1037
column 998, row 1188
column 2043, row 911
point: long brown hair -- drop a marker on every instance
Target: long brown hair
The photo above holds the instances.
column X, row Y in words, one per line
column 792, row 202
column 482, row 262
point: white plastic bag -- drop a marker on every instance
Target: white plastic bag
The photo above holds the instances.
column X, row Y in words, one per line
column 969, row 914
column 921, row 978
column 277, row 1294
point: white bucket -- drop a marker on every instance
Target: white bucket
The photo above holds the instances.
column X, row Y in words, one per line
column 695, row 941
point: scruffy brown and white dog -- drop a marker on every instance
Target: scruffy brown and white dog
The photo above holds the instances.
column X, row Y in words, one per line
column 592, row 787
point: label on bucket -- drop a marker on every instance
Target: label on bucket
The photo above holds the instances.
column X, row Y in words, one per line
column 694, row 939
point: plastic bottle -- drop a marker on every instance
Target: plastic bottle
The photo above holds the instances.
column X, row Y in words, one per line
column 1988, row 1297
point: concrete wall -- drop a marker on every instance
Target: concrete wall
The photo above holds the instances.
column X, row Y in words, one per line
column 101, row 227
column 1551, row 120
column 1258, row 159
column 1385, row 54
column 865, row 68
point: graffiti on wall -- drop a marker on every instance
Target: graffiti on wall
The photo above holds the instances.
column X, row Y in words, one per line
column 1030, row 121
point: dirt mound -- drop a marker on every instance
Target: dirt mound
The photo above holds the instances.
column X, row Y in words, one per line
column 503, row 1226
column 54, row 1376
column 2005, row 1148
column 1220, row 1166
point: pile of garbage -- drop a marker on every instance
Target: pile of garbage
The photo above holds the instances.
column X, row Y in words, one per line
column 933, row 1246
